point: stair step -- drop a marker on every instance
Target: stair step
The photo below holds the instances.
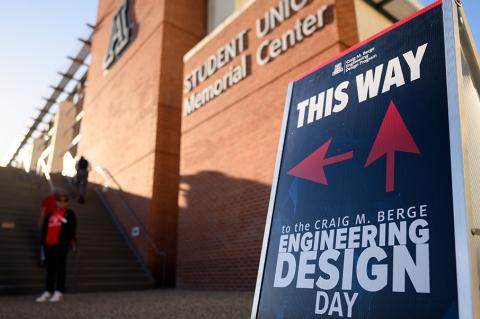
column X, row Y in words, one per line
column 75, row 278
column 107, row 260
column 31, row 236
column 104, row 261
column 83, row 254
column 95, row 231
column 105, row 268
column 89, row 287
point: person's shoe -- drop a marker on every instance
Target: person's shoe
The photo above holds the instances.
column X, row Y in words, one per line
column 44, row 297
column 57, row 297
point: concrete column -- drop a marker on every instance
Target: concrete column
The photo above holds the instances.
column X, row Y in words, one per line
column 62, row 137
column 37, row 148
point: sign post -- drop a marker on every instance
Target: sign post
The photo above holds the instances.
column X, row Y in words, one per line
column 371, row 208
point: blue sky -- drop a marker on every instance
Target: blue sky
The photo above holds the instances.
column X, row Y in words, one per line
column 38, row 35
column 36, row 38
column 472, row 11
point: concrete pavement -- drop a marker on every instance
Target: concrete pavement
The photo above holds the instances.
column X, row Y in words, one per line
column 145, row 304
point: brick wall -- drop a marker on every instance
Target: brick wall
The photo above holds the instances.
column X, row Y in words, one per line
column 228, row 149
column 132, row 113
column 225, row 151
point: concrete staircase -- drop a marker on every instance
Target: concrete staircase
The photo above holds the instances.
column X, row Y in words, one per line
column 104, row 261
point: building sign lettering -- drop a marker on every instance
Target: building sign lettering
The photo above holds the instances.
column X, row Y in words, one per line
column 234, row 75
column 120, row 38
column 270, row 49
column 267, row 51
column 276, row 15
column 216, row 61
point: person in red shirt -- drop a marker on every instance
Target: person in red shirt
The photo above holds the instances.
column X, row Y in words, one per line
column 58, row 234
column 49, row 205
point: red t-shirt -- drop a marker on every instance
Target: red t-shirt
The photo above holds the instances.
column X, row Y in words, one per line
column 53, row 227
column 49, row 203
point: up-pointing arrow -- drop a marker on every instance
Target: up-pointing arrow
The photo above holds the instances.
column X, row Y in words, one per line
column 393, row 136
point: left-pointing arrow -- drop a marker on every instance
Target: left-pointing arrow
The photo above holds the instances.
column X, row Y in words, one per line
column 312, row 167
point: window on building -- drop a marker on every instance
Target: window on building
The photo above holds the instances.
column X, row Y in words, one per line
column 219, row 10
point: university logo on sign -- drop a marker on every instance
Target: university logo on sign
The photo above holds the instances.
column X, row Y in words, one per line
column 120, row 37
column 338, row 69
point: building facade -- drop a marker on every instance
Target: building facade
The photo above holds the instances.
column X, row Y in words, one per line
column 231, row 125
column 182, row 117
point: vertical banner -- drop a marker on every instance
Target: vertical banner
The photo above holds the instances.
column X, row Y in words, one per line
column 361, row 221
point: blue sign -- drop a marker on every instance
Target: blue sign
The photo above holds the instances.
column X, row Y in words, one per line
column 362, row 221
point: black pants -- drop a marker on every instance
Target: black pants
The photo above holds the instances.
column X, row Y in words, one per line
column 55, row 259
column 82, row 180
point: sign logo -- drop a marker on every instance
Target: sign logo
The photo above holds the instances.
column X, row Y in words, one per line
column 338, row 69
column 120, row 38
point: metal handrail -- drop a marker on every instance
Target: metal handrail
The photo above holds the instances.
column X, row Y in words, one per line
column 44, row 170
column 107, row 177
